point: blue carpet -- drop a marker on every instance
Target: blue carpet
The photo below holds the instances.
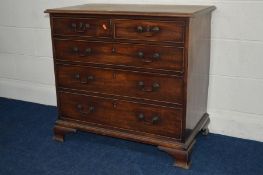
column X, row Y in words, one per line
column 26, row 147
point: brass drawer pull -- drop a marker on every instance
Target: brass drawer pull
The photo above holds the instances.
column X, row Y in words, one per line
column 155, row 86
column 140, row 54
column 84, row 80
column 156, row 56
column 155, row 119
column 77, row 51
column 140, row 116
column 154, row 29
column 81, row 28
column 77, row 76
column 139, row 29
column 80, row 108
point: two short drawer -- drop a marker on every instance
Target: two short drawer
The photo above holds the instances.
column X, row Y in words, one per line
column 145, row 30
column 122, row 114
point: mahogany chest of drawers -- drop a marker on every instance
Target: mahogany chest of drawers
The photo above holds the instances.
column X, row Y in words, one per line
column 137, row 72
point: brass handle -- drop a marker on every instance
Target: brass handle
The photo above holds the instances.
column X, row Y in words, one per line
column 155, row 29
column 91, row 108
column 155, row 119
column 81, row 28
column 80, row 108
column 90, row 77
column 156, row 56
column 140, row 116
column 76, row 50
column 84, row 80
column 74, row 25
column 155, row 86
column 140, row 54
column 88, row 50
column 77, row 76
column 139, row 29
column 141, row 84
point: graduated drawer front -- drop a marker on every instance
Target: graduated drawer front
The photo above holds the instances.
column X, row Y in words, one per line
column 90, row 27
column 166, row 58
column 124, row 83
column 150, row 30
column 122, row 114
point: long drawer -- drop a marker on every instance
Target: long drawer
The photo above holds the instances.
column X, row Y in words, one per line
column 137, row 85
column 122, row 114
column 166, row 58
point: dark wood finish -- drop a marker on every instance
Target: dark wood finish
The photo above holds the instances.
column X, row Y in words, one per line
column 136, row 72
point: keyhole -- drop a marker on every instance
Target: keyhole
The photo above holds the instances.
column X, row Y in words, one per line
column 113, row 50
column 114, row 105
column 114, row 75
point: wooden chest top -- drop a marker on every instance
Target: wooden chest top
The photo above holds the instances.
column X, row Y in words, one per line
column 135, row 9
